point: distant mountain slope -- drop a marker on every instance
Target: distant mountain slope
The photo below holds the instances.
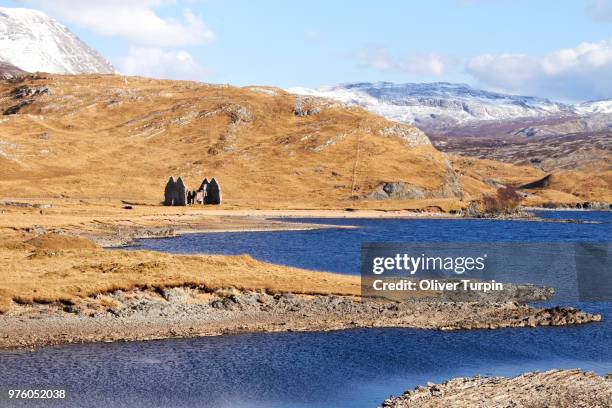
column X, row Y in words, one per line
column 32, row 41
column 468, row 121
column 440, row 104
column 8, row 70
column 604, row 106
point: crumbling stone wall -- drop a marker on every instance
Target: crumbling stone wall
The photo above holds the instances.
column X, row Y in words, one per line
column 175, row 192
column 180, row 192
column 213, row 192
column 169, row 192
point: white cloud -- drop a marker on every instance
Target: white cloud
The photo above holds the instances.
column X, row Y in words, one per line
column 601, row 10
column 157, row 63
column 421, row 64
column 135, row 20
column 153, row 40
column 578, row 73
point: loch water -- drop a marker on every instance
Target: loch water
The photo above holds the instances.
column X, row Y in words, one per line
column 352, row 368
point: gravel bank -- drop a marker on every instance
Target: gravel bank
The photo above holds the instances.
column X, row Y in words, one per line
column 190, row 312
column 550, row 389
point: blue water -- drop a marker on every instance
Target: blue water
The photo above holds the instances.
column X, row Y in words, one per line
column 338, row 250
column 353, row 368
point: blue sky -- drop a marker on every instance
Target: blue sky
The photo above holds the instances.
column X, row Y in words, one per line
column 560, row 49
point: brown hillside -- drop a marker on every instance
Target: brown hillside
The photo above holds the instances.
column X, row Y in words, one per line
column 113, row 137
column 117, row 137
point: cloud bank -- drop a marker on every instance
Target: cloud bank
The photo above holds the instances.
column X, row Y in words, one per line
column 134, row 20
column 420, row 64
column 579, row 73
column 155, row 42
column 571, row 74
column 157, row 63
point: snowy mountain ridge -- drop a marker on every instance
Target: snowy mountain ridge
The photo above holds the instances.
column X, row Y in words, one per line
column 603, row 106
column 443, row 104
column 32, row 41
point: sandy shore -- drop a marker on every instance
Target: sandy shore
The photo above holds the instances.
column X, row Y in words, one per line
column 115, row 224
column 111, row 224
column 550, row 389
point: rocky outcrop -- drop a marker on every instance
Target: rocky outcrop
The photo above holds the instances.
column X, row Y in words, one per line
column 411, row 135
column 23, row 92
column 401, row 190
column 541, row 183
column 586, row 205
column 238, row 114
column 305, row 106
column 16, row 108
column 311, row 105
column 29, row 92
column 187, row 312
column 551, row 389
column 9, row 71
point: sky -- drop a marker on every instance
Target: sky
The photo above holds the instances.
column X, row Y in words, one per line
column 557, row 49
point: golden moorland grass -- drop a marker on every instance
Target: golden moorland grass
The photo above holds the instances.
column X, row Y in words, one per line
column 566, row 187
column 110, row 137
column 54, row 269
column 94, row 136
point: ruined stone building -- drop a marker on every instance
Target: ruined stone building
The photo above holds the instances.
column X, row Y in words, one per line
column 176, row 193
column 211, row 191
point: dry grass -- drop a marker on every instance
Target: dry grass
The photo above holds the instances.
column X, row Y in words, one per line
column 47, row 274
column 112, row 137
column 108, row 137
column 479, row 177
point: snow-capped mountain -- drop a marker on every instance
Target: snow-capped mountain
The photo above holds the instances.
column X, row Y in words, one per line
column 604, row 106
column 440, row 104
column 32, row 41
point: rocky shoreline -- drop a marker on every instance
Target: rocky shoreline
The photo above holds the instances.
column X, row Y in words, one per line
column 191, row 312
column 550, row 389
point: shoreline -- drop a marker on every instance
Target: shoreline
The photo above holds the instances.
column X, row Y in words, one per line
column 281, row 220
column 109, row 225
column 84, row 286
column 182, row 312
column 267, row 221
column 552, row 388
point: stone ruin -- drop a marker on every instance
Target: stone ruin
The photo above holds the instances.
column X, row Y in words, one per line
column 176, row 193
